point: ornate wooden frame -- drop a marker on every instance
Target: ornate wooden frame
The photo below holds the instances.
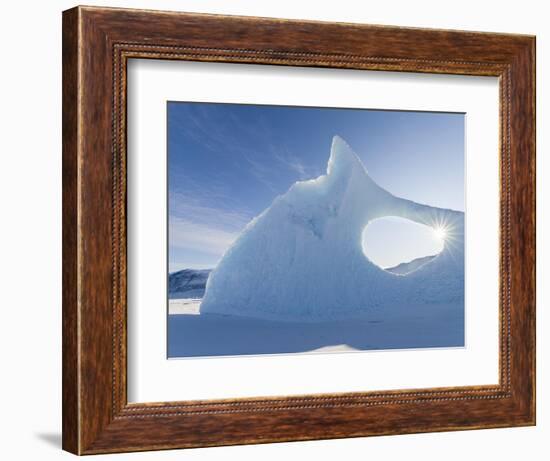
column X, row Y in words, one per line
column 97, row 43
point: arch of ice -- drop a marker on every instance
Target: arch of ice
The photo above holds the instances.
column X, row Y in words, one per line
column 301, row 259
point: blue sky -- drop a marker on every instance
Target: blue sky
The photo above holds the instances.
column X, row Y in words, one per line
column 227, row 162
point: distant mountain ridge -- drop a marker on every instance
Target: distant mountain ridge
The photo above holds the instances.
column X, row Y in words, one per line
column 408, row 267
column 187, row 283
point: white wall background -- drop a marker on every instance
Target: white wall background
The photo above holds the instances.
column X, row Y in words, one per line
column 30, row 230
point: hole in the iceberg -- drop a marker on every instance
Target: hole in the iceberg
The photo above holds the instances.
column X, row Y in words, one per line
column 401, row 246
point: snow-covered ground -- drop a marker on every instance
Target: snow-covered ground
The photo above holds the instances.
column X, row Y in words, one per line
column 189, row 306
column 195, row 334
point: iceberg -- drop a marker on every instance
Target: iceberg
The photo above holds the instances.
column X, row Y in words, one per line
column 302, row 258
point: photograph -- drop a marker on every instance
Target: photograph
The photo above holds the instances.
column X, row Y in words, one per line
column 295, row 230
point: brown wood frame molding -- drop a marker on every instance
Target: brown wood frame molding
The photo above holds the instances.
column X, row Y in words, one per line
column 97, row 43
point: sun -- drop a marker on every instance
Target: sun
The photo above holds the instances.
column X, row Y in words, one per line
column 440, row 232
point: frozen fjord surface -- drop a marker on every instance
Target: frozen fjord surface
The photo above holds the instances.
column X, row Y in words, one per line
column 302, row 258
column 439, row 325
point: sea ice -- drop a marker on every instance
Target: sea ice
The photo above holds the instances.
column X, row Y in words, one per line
column 302, row 259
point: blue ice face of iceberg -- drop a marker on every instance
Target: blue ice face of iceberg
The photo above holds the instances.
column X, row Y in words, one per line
column 302, row 258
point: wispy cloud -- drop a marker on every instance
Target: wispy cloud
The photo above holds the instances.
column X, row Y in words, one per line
column 186, row 234
column 250, row 142
column 197, row 209
column 199, row 227
column 292, row 162
column 259, row 169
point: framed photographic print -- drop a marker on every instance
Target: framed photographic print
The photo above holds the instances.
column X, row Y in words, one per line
column 282, row 230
